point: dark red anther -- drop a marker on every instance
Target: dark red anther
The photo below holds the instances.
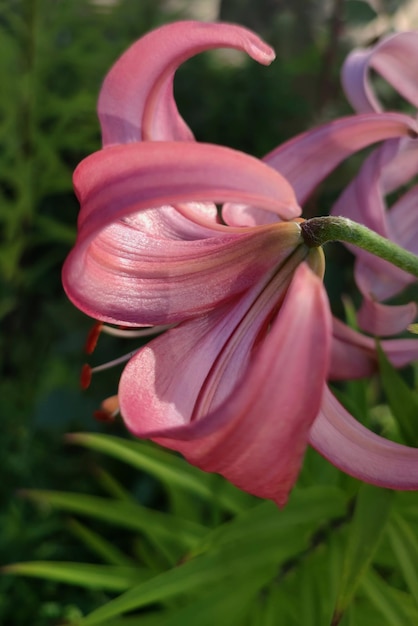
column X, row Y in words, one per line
column 93, row 337
column 85, row 376
column 103, row 416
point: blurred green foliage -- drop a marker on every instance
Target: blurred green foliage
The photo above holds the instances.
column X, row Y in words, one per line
column 187, row 528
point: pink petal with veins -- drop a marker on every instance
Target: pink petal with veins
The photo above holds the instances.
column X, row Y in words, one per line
column 134, row 266
column 136, row 100
column 256, row 437
column 394, row 58
column 354, row 449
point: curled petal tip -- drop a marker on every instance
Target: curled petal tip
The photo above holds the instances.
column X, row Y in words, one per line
column 136, row 101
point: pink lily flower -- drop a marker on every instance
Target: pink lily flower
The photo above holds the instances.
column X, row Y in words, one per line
column 237, row 384
column 391, row 166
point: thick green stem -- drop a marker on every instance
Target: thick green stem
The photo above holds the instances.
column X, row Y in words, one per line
column 319, row 230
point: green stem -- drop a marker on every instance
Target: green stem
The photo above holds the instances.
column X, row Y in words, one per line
column 319, row 230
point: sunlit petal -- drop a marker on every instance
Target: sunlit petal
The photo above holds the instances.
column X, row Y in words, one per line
column 136, row 100
column 257, row 437
column 137, row 267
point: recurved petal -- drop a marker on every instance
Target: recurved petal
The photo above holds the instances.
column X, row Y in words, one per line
column 394, row 59
column 133, row 266
column 308, row 158
column 378, row 278
column 257, row 436
column 403, row 167
column 136, row 100
column 353, row 355
column 403, row 220
column 362, row 200
column 382, row 320
column 354, row 449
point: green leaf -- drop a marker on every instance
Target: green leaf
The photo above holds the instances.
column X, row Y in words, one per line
column 154, row 524
column 394, row 605
column 99, row 545
column 258, row 541
column 204, row 571
column 369, row 521
column 167, row 467
column 405, row 547
column 108, row 577
column 111, row 485
column 223, row 605
column 403, row 402
column 306, row 509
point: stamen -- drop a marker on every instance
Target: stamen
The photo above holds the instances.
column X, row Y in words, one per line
column 87, row 371
column 124, row 333
column 109, row 364
column 93, row 337
column 109, row 409
column 129, row 333
column 85, row 376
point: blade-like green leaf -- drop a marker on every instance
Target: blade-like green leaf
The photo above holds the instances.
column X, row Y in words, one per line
column 107, row 577
column 258, row 544
column 166, row 467
column 403, row 402
column 226, row 605
column 370, row 517
column 111, row 485
column 107, row 551
column 307, row 508
column 216, row 567
column 404, row 544
column 125, row 514
column 394, row 605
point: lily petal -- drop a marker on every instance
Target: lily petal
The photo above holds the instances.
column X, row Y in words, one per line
column 256, row 438
column 403, row 167
column 353, row 355
column 308, row 158
column 394, row 59
column 379, row 279
column 403, row 220
column 363, row 202
column 383, row 320
column 136, row 100
column 134, row 266
column 354, row 449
